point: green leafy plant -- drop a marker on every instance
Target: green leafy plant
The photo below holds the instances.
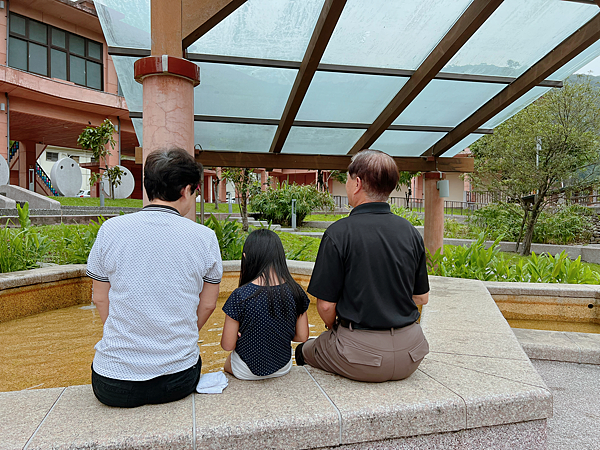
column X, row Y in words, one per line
column 97, row 139
column 275, row 204
column 409, row 215
column 229, row 235
column 80, row 240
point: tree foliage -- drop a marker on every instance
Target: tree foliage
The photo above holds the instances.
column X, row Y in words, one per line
column 245, row 184
column 96, row 139
column 548, row 150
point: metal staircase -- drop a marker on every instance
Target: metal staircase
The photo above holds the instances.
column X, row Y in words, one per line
column 45, row 179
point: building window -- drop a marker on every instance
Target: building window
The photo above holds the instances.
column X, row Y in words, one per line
column 42, row 49
column 51, row 156
column 74, row 158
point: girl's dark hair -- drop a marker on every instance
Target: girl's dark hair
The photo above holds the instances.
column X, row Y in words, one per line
column 167, row 172
column 264, row 257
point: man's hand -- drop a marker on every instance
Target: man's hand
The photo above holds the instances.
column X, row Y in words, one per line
column 208, row 302
column 327, row 312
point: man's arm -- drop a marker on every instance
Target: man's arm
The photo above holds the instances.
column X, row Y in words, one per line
column 421, row 299
column 327, row 312
column 208, row 302
column 100, row 298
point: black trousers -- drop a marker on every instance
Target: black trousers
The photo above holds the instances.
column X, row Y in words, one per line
column 130, row 394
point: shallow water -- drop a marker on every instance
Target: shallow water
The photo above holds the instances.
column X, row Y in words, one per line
column 552, row 325
column 56, row 348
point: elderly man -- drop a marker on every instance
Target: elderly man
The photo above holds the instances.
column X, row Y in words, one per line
column 156, row 279
column 371, row 273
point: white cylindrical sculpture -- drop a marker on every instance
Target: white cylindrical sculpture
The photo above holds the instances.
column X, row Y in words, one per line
column 66, row 177
column 124, row 189
column 4, row 171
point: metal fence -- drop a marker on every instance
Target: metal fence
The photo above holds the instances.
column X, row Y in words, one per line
column 418, row 204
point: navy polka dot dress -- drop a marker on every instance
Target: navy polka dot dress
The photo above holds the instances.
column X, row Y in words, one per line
column 265, row 341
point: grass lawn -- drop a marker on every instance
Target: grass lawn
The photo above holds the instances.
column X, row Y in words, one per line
column 324, row 217
column 133, row 203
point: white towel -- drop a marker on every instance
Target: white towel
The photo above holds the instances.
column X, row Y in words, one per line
column 212, row 383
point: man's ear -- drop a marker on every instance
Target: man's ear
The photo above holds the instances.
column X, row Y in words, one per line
column 359, row 184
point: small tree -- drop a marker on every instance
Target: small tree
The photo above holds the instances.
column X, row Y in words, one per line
column 245, row 184
column 96, row 139
column 547, row 150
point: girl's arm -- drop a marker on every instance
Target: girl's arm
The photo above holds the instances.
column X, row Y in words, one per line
column 230, row 334
column 301, row 328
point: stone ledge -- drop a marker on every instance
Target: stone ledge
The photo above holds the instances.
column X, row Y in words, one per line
column 43, row 275
column 476, row 381
column 583, row 348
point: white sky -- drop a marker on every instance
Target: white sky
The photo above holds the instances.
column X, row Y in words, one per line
column 593, row 67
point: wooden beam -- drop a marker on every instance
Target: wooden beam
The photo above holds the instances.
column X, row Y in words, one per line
column 198, row 17
column 474, row 16
column 562, row 54
column 330, row 14
column 212, row 158
column 165, row 27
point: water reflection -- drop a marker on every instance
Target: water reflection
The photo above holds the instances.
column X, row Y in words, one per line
column 56, row 348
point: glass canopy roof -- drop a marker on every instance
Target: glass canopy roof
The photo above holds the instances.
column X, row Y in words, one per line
column 375, row 48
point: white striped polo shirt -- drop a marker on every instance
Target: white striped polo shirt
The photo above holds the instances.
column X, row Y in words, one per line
column 156, row 262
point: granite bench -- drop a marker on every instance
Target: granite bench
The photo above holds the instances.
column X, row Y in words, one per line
column 477, row 389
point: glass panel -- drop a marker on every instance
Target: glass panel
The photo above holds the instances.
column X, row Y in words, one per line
column 38, row 59
column 269, row 29
column 233, row 136
column 320, row 141
column 77, row 70
column 38, row 32
column 132, row 90
column 17, row 53
column 125, row 23
column 58, row 63
column 580, row 62
column 383, row 33
column 94, row 75
column 94, row 50
column 406, row 143
column 17, row 24
column 517, row 106
column 339, row 97
column 519, row 34
column 76, row 45
column 447, row 103
column 462, row 145
column 58, row 38
column 241, row 91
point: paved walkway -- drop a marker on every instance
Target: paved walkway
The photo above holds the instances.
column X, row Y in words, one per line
column 576, row 391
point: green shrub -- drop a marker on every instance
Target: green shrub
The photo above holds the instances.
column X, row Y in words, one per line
column 23, row 248
column 455, row 230
column 497, row 220
column 477, row 262
column 409, row 215
column 275, row 204
column 564, row 225
column 230, row 236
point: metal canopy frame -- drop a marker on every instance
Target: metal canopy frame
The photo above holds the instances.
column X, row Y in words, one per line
column 471, row 20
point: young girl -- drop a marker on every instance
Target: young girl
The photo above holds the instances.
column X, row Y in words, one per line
column 265, row 313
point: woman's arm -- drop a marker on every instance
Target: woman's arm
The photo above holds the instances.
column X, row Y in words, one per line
column 301, row 328
column 230, row 334
column 100, row 298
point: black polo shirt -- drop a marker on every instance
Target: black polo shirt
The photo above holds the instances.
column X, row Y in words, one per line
column 371, row 263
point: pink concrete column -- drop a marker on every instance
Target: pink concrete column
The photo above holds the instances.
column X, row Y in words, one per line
column 168, row 104
column 263, row 180
column 27, row 160
column 3, row 132
column 222, row 194
column 434, row 213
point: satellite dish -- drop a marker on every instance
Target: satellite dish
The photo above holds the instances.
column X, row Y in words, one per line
column 66, row 177
column 125, row 189
column 4, row 171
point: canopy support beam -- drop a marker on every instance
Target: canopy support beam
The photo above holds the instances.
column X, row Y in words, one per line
column 330, row 14
column 213, row 158
column 474, row 16
column 198, row 17
column 562, row 54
